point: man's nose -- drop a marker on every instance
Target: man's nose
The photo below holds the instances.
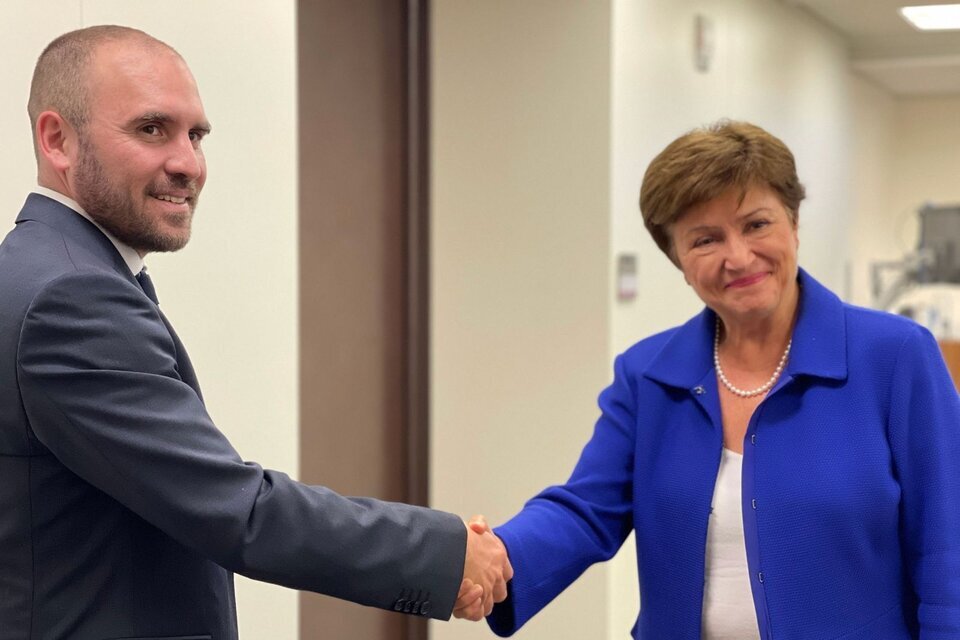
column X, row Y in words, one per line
column 184, row 159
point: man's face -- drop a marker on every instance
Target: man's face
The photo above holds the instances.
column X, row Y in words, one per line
column 139, row 167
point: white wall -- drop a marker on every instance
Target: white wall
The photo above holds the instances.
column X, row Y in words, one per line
column 232, row 292
column 520, row 197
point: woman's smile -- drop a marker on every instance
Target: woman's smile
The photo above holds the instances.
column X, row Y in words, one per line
column 747, row 281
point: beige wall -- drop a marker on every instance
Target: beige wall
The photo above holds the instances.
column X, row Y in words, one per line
column 232, row 292
column 908, row 154
column 520, row 216
column 875, row 223
column 926, row 159
column 28, row 27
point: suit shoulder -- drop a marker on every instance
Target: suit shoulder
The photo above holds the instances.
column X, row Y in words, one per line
column 36, row 270
column 34, row 254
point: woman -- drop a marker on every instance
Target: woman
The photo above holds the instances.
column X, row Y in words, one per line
column 790, row 463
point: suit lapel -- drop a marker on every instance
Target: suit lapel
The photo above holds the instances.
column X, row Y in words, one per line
column 39, row 208
column 184, row 366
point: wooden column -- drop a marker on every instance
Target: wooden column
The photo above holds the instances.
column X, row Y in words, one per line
column 363, row 279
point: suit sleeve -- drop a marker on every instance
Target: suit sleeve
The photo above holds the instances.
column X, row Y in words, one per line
column 562, row 531
column 98, row 376
column 925, row 439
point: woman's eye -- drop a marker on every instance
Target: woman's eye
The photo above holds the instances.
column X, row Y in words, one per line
column 702, row 242
column 759, row 224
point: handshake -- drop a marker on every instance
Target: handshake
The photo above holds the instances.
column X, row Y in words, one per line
column 486, row 572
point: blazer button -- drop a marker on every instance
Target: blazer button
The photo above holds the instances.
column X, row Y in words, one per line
column 410, row 606
column 399, row 604
column 425, row 608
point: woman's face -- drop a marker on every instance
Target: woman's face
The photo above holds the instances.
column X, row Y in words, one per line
column 740, row 256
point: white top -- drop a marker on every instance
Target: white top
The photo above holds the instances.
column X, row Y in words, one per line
column 728, row 612
column 129, row 254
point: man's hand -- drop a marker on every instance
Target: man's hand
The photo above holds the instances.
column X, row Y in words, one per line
column 469, row 604
column 486, row 572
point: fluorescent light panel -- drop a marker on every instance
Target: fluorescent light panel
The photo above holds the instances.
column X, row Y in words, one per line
column 933, row 17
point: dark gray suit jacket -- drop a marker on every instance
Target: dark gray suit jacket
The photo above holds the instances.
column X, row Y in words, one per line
column 123, row 510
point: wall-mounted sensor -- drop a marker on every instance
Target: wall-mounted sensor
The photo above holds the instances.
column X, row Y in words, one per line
column 703, row 42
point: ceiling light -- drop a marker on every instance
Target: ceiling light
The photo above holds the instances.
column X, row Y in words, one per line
column 933, row 17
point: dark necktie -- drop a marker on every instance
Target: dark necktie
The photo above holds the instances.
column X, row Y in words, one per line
column 147, row 285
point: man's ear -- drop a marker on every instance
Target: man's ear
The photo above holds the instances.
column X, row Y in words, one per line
column 56, row 141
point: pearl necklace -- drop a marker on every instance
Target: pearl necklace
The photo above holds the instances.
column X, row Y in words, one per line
column 742, row 392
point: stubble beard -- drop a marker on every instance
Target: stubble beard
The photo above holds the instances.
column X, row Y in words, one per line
column 113, row 207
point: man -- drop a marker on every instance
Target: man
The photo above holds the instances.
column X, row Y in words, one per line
column 123, row 510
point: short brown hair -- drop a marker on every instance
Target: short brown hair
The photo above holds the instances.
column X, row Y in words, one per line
column 702, row 164
column 60, row 76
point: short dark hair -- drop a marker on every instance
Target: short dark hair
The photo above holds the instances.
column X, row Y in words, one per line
column 702, row 164
column 60, row 75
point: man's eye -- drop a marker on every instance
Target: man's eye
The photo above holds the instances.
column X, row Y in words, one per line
column 151, row 130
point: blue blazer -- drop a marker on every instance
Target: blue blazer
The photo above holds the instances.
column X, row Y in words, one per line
column 123, row 510
column 851, row 485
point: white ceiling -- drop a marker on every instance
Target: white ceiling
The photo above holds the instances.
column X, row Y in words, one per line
column 885, row 48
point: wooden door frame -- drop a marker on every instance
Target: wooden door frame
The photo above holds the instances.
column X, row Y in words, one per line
column 363, row 226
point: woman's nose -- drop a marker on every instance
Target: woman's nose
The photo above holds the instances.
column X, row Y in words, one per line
column 739, row 254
